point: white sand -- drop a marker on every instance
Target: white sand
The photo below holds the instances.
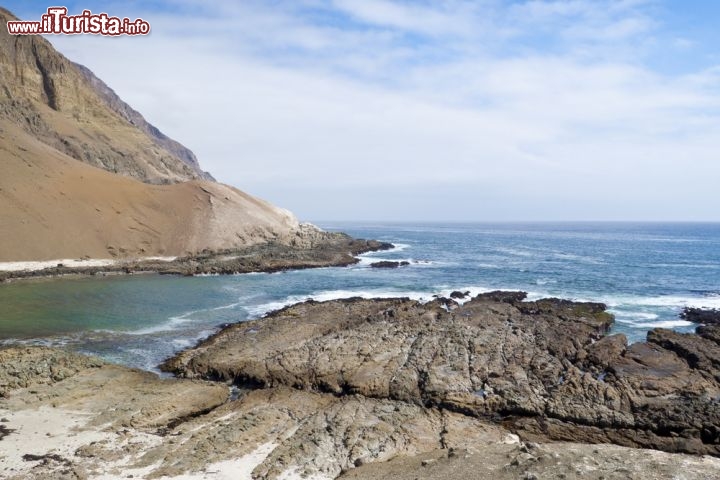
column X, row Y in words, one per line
column 99, row 262
column 43, row 431
column 238, row 469
column 59, row 431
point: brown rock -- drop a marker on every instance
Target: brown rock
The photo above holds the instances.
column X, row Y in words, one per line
column 544, row 367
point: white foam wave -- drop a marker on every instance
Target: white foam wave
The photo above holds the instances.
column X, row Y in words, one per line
column 671, row 301
column 257, row 311
column 398, row 247
column 327, row 295
column 172, row 323
column 663, row 324
column 225, row 307
column 370, row 257
column 517, row 252
column 578, row 258
column 493, row 266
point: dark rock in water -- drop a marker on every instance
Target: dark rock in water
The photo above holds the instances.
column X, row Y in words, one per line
column 458, row 295
column 706, row 316
column 502, row 296
column 389, row 264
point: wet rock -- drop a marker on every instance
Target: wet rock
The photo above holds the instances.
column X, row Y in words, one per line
column 389, row 264
column 706, row 316
column 457, row 295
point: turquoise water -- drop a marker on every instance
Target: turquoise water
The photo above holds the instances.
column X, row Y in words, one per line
column 645, row 273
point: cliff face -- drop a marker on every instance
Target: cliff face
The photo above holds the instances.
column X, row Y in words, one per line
column 65, row 106
column 84, row 174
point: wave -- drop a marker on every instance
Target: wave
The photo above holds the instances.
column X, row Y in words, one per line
column 578, row 258
column 635, row 315
column 491, row 266
column 669, row 301
column 517, row 252
column 664, row 324
column 257, row 311
column 171, row 324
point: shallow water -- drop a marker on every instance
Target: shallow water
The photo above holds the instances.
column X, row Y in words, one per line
column 645, row 273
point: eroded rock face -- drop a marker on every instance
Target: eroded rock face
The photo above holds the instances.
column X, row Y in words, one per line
column 112, row 421
column 543, row 368
column 66, row 107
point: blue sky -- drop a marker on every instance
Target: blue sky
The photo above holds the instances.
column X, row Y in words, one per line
column 443, row 110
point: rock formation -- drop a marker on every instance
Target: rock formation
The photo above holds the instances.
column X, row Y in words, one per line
column 389, row 264
column 707, row 316
column 67, row 416
column 66, row 107
column 543, row 369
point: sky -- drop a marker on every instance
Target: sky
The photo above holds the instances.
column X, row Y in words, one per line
column 446, row 110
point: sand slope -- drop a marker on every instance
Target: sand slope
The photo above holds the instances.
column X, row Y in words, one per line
column 52, row 206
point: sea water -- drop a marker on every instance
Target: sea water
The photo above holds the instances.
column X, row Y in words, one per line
column 645, row 273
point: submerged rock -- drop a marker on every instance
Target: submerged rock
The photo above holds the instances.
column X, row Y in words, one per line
column 389, row 264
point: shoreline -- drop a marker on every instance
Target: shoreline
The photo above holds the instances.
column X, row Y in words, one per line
column 402, row 389
column 338, row 251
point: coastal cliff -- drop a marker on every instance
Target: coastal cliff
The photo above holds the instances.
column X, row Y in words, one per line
column 84, row 175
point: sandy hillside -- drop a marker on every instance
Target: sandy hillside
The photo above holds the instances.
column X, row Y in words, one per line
column 84, row 175
column 53, row 206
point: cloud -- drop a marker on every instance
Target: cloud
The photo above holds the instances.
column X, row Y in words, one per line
column 486, row 109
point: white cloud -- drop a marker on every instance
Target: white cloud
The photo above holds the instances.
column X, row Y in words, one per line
column 474, row 108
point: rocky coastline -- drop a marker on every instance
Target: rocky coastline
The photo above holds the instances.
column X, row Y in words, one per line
column 497, row 386
column 323, row 249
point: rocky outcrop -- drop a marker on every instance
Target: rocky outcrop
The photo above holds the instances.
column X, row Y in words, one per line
column 326, row 250
column 105, row 421
column 135, row 118
column 706, row 316
column 457, row 295
column 389, row 264
column 544, row 369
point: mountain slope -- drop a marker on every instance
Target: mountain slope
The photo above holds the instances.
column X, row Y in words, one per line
column 65, row 106
column 84, row 175
column 53, row 206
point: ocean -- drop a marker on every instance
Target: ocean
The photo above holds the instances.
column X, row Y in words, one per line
column 645, row 272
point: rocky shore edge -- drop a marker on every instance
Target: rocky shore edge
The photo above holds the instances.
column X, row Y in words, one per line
column 325, row 249
column 489, row 387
